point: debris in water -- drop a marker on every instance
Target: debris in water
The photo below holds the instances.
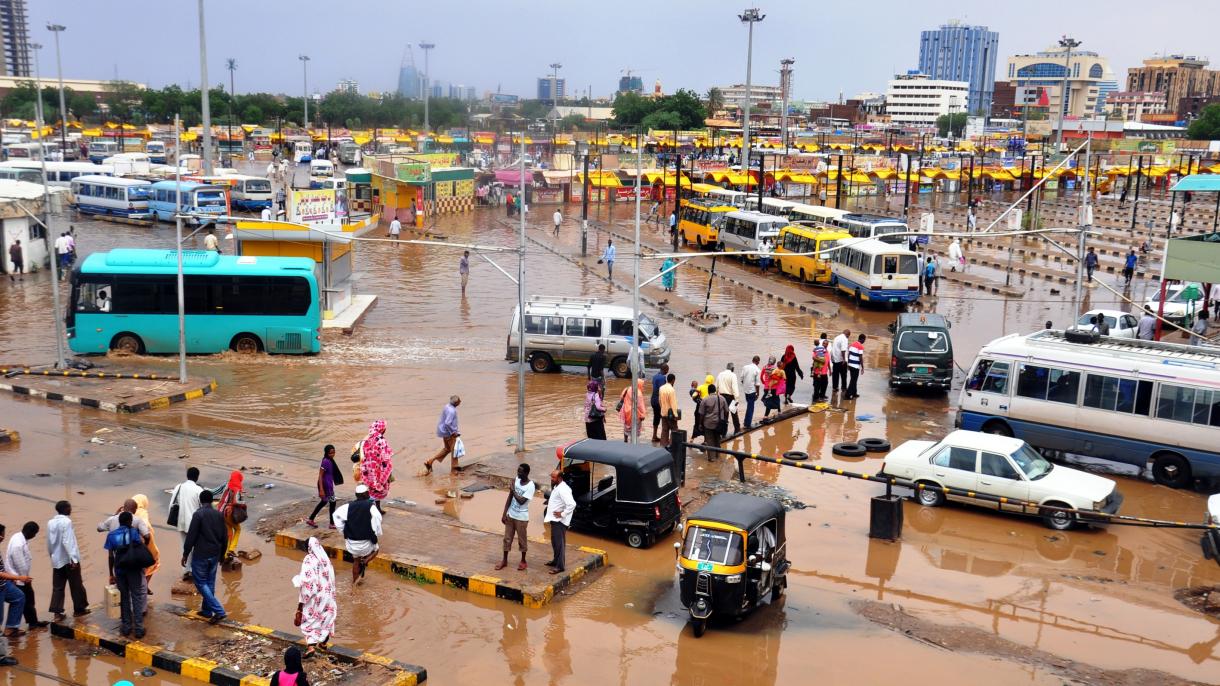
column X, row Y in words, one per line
column 95, row 439
column 113, row 467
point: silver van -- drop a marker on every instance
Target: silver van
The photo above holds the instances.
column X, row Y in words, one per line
column 744, row 231
column 567, row 331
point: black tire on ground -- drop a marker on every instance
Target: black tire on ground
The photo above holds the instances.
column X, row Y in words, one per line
column 619, row 366
column 848, row 449
column 541, row 362
column 875, row 445
column 777, row 590
column 998, row 428
column 1057, row 519
column 930, row 495
column 635, row 539
column 246, row 344
column 1172, row 470
column 127, row 343
column 699, row 626
column 796, row 455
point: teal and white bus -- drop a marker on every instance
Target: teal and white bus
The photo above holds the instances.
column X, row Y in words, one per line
column 127, row 300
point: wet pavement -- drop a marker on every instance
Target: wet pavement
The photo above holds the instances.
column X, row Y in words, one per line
column 1098, row 596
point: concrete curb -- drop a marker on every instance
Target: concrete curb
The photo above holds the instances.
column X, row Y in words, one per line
column 474, row 583
column 404, row 674
column 9, row 436
column 121, row 408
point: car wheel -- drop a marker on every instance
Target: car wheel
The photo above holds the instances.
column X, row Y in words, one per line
column 875, row 445
column 620, row 368
column 635, row 539
column 1172, row 470
column 848, row 449
column 796, row 455
column 929, row 494
column 245, row 344
column 699, row 626
column 1058, row 519
column 541, row 362
column 127, row 343
column 997, row 428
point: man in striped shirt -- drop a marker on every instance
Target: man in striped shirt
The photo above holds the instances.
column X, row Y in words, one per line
column 855, row 365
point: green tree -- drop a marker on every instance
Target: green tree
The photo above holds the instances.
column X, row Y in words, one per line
column 124, row 100
column 252, row 114
column 631, row 108
column 1207, row 126
column 667, row 120
column 715, row 101
column 574, row 121
column 955, row 122
column 687, row 106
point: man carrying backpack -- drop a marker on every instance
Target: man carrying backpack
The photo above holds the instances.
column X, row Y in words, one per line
column 126, row 561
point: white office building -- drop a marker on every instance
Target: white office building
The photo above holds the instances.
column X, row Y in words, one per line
column 916, row 100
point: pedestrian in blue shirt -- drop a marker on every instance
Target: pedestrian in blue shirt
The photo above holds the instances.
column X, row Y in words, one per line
column 1090, row 264
column 608, row 258
column 133, row 595
column 1129, row 266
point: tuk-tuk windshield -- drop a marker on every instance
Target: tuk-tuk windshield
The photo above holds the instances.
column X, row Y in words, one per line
column 713, row 545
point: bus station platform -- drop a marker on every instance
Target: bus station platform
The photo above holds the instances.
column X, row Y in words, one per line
column 434, row 549
column 125, row 392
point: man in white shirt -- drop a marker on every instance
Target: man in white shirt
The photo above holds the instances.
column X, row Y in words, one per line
column 65, row 564
column 17, row 560
column 559, row 509
column 558, row 219
column 516, row 515
column 395, row 229
column 730, row 390
column 838, row 360
column 750, row 377
column 63, row 252
column 186, row 497
column 111, row 523
column 265, row 215
column 210, row 242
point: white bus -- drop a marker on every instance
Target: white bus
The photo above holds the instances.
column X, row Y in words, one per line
column 722, row 196
column 1130, row 401
column 249, row 193
column 100, row 150
column 872, row 271
column 815, row 214
column 873, row 226
column 129, row 163
column 772, row 206
column 112, row 196
column 62, row 173
column 744, row 231
column 158, row 151
column 21, row 174
column 27, row 151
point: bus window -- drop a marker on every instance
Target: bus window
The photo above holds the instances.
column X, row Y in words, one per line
column 1117, row 395
column 909, row 265
column 890, row 265
column 991, row 377
column 1175, row 402
column 93, row 295
column 549, row 326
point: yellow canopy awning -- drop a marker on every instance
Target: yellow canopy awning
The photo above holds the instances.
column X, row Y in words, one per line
column 601, row 179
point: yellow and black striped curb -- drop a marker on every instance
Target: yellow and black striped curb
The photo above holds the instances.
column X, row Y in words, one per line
column 82, row 374
column 121, row 408
column 9, row 436
column 532, row 597
column 402, row 673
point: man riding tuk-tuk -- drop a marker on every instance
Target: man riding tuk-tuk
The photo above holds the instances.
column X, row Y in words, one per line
column 621, row 489
column 733, row 554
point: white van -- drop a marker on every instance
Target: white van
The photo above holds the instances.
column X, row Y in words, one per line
column 567, row 331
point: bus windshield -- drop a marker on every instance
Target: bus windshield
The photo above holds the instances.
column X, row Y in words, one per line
column 210, row 199
column 1034, row 465
column 138, row 193
column 258, row 186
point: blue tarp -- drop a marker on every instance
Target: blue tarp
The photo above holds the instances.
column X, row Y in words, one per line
column 1198, row 183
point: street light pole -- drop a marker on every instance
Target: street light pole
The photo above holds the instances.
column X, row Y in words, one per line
column 231, row 65
column 178, row 242
column 634, row 363
column 206, row 106
column 46, row 218
column 749, row 17
column 59, row 71
column 1068, row 44
column 785, row 85
column 427, row 48
column 305, row 89
column 520, row 300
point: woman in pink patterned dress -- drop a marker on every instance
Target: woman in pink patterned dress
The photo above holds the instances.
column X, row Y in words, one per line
column 316, row 604
column 376, row 465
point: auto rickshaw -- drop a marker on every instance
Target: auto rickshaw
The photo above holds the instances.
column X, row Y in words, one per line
column 621, row 489
column 732, row 555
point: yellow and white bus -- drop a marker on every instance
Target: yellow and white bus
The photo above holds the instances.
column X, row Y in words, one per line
column 719, row 195
column 795, row 239
column 699, row 222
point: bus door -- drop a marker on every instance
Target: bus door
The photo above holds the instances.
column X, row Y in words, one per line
column 988, row 388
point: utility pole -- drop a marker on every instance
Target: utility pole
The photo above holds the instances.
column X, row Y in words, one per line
column 1086, row 220
column 231, row 65
column 785, row 87
column 205, row 105
column 749, row 17
column 520, row 299
column 584, row 207
column 46, row 219
column 178, row 242
column 1068, row 44
column 59, row 70
column 305, row 90
column 427, row 48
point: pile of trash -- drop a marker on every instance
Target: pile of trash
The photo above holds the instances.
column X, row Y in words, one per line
column 755, row 488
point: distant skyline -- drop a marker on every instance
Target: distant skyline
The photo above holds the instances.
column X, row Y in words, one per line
column 507, row 46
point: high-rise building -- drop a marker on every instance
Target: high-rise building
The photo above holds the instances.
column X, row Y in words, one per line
column 15, row 36
column 1176, row 76
column 915, row 99
column 1088, row 77
column 760, row 96
column 957, row 52
column 470, row 94
column 551, row 88
column 348, row 86
column 439, row 89
column 631, row 84
column 410, row 83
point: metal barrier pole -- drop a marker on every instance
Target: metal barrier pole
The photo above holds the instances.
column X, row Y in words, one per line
column 677, row 449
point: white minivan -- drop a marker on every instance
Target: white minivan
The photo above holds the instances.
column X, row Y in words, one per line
column 567, row 331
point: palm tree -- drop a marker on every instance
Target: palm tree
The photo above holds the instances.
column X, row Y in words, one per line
column 715, row 101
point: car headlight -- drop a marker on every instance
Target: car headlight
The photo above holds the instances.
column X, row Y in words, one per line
column 732, row 579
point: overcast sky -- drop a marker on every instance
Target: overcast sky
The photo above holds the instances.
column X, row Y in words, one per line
column 846, row 46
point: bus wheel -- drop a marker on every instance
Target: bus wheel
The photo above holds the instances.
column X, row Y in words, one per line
column 802, row 276
column 541, row 362
column 998, row 428
column 246, row 344
column 699, row 243
column 128, row 343
column 1171, row 469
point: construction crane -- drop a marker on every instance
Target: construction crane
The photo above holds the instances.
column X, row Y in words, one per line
column 627, row 74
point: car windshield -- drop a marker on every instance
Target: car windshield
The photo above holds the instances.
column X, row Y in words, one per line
column 648, row 327
column 1086, row 319
column 923, row 341
column 1034, row 465
column 713, row 545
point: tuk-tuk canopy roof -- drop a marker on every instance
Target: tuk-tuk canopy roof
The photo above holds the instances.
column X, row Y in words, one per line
column 642, row 458
column 739, row 510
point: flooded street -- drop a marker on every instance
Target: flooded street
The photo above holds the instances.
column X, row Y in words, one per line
column 1102, row 597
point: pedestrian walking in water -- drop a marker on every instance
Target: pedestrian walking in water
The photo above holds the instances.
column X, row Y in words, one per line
column 956, row 257
column 608, row 257
column 182, row 505
column 971, row 221
column 929, row 276
column 559, row 508
column 65, row 564
column 728, row 387
column 11, row 595
column 317, row 608
column 329, row 476
column 597, row 368
column 669, row 278
column 150, row 541
column 18, row 560
column 624, row 409
column 464, row 270
column 293, row 673
column 360, row 522
column 670, row 412
column 792, row 369
column 395, row 229
column 595, row 412
column 658, row 380
column 557, row 218
column 750, row 383
column 122, row 546
column 1129, row 266
column 838, row 360
column 779, row 390
column 376, row 462
column 280, row 199
column 820, row 371
column 516, row 515
column 713, row 418
column 855, row 365
column 233, row 506
column 1090, row 264
column 695, row 397
column 17, row 256
column 447, row 431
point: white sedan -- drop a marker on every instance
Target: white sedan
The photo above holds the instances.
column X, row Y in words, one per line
column 1122, row 324
column 975, row 462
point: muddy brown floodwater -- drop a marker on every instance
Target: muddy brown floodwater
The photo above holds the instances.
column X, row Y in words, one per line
column 1097, row 597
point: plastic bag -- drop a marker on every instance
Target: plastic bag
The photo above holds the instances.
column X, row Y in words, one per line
column 459, row 449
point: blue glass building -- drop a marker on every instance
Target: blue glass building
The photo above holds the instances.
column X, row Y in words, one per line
column 957, row 52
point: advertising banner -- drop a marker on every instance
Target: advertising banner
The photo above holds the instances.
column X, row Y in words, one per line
column 414, row 172
column 313, row 206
